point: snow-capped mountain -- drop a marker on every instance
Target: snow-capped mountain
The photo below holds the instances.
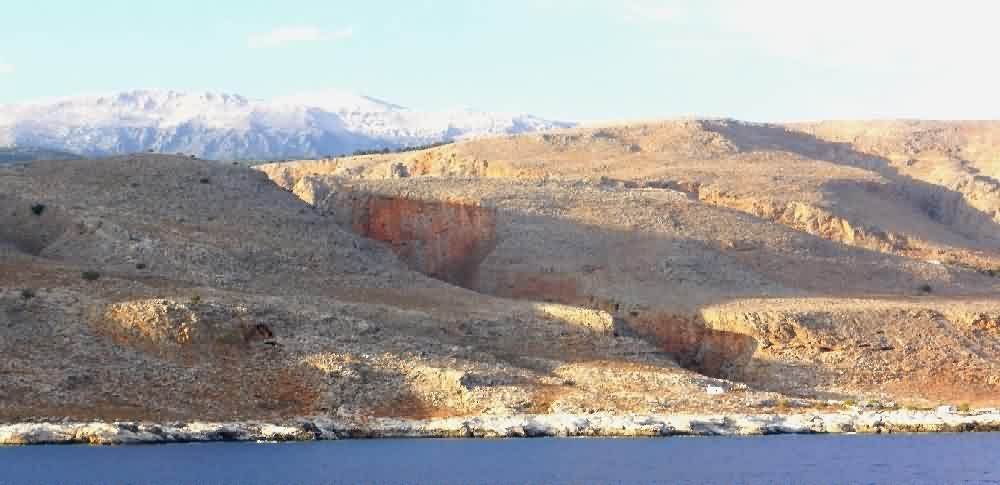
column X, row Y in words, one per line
column 227, row 126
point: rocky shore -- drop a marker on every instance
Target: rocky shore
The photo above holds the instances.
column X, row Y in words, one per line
column 548, row 425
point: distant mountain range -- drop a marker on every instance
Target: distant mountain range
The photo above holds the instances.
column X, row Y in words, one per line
column 228, row 126
column 15, row 155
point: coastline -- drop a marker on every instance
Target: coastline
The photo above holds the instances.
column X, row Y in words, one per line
column 517, row 426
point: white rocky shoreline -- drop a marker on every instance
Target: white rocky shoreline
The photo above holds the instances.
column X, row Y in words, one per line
column 548, row 425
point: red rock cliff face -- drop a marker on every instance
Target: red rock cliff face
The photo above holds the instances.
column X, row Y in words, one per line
column 443, row 240
column 449, row 241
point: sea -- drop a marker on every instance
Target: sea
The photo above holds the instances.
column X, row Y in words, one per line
column 968, row 458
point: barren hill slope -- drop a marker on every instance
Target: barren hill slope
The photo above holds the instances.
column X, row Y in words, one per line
column 672, row 226
column 895, row 195
column 165, row 288
column 625, row 269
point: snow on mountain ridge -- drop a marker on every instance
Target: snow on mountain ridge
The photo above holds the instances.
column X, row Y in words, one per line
column 136, row 108
column 221, row 125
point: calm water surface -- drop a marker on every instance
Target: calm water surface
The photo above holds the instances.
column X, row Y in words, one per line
column 940, row 458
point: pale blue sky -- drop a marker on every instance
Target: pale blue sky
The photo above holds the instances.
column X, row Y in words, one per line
column 766, row 60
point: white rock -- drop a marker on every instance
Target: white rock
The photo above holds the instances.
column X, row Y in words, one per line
column 556, row 424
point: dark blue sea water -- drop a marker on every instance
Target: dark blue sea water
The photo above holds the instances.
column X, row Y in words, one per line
column 936, row 458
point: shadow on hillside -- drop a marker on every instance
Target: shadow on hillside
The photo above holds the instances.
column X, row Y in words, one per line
column 892, row 209
column 939, row 203
column 656, row 285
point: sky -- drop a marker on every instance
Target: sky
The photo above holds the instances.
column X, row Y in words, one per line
column 579, row 60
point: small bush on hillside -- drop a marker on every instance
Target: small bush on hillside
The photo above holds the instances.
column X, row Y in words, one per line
column 205, row 180
column 850, row 403
column 27, row 294
column 385, row 151
column 964, row 407
column 37, row 209
column 140, row 265
column 926, row 289
column 90, row 275
column 195, row 300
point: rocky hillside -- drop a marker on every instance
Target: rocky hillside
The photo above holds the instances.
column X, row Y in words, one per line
column 663, row 268
column 922, row 190
column 166, row 288
column 228, row 126
column 672, row 227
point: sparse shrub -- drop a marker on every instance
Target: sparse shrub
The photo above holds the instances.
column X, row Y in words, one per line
column 90, row 275
column 926, row 289
column 964, row 407
column 195, row 300
column 27, row 294
column 783, row 405
column 205, row 180
column 385, row 151
column 37, row 209
column 850, row 403
column 140, row 265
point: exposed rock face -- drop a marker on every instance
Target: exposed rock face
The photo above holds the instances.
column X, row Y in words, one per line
column 811, row 219
column 444, row 240
column 823, row 222
column 518, row 426
column 159, row 323
column 311, row 190
column 673, row 295
column 696, row 345
column 122, row 433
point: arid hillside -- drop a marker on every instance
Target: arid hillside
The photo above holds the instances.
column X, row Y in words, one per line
column 658, row 268
column 161, row 288
column 672, row 226
column 923, row 190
